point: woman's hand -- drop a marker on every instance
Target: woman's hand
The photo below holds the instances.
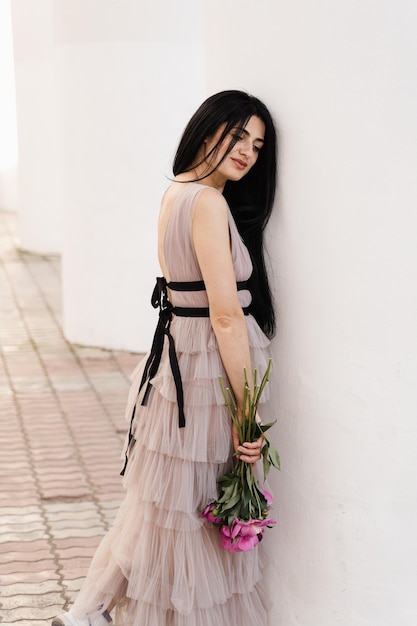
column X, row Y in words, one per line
column 247, row 452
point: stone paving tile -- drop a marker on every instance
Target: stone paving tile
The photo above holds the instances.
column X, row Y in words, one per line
column 22, row 555
column 110, row 505
column 17, row 519
column 21, row 499
column 78, row 542
column 72, row 587
column 30, row 577
column 77, row 552
column 28, row 613
column 21, row 567
column 11, row 481
column 65, row 533
column 26, row 510
column 31, row 601
column 80, row 516
column 20, row 547
column 29, row 589
column 31, row 535
column 75, row 568
column 27, row 622
column 23, row 526
column 62, row 412
column 69, row 492
column 64, row 524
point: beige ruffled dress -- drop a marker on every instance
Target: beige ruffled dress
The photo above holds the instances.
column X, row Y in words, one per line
column 161, row 561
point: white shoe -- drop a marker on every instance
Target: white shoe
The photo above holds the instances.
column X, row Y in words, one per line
column 68, row 619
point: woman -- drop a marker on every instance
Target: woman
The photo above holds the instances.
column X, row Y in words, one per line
column 162, row 564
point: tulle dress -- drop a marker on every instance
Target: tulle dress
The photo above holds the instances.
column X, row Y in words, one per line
column 161, row 561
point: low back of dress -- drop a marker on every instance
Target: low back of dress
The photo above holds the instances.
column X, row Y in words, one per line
column 180, row 255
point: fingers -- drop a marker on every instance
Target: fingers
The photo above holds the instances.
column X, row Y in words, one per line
column 247, row 452
column 250, row 452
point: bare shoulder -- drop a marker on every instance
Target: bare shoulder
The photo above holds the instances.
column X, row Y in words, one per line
column 210, row 202
column 211, row 197
column 169, row 195
column 210, row 222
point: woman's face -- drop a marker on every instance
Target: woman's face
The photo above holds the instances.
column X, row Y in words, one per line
column 242, row 157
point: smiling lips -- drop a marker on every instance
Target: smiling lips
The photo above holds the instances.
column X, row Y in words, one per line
column 241, row 165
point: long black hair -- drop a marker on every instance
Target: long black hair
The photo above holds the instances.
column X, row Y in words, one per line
column 250, row 199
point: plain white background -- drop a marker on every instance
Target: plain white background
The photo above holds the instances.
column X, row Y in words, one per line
column 340, row 78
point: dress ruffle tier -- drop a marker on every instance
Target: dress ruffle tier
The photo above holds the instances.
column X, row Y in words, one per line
column 161, row 560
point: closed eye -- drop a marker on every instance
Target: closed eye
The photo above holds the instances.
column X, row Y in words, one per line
column 243, row 134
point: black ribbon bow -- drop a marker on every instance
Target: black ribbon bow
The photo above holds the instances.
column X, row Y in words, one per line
column 160, row 299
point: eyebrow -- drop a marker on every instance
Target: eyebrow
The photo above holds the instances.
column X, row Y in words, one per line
column 243, row 130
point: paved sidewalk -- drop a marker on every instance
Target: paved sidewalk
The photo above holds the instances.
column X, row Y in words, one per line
column 61, row 432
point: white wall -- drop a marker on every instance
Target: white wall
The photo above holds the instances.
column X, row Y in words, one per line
column 340, row 79
column 103, row 93
column 39, row 201
column 127, row 80
column 8, row 130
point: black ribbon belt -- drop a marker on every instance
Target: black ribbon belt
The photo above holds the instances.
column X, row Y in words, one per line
column 166, row 311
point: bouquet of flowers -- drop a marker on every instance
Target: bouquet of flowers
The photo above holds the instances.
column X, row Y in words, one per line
column 242, row 511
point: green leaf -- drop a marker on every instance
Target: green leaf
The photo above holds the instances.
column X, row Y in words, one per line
column 258, row 504
column 265, row 461
column 244, row 512
column 250, row 478
column 245, row 495
column 230, row 505
column 274, row 457
column 228, row 492
column 264, row 427
column 227, row 479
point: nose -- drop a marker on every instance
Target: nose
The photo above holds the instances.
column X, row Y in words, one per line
column 244, row 147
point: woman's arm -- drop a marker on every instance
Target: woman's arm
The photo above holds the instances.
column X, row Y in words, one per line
column 210, row 231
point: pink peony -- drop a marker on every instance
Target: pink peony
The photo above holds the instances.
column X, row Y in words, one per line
column 268, row 497
column 233, row 542
column 208, row 514
column 242, row 536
